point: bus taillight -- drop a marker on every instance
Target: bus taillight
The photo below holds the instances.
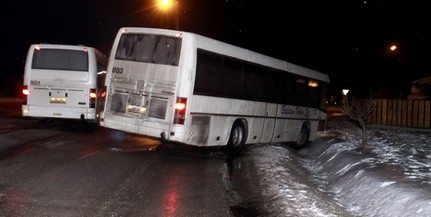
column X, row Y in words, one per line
column 180, row 110
column 25, row 90
column 93, row 96
column 25, row 93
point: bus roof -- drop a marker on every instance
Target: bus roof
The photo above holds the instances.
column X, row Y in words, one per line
column 62, row 46
column 234, row 51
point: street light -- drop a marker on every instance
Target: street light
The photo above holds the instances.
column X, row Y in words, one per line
column 398, row 65
column 165, row 4
column 168, row 5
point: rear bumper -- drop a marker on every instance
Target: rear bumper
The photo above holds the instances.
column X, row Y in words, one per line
column 58, row 112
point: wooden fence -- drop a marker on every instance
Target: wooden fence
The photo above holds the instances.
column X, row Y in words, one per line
column 405, row 113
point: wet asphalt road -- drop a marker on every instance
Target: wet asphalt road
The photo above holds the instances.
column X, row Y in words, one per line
column 55, row 171
column 66, row 168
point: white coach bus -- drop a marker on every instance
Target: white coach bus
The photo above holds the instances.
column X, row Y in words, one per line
column 64, row 81
column 187, row 88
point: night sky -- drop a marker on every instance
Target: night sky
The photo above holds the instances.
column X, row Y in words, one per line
column 347, row 39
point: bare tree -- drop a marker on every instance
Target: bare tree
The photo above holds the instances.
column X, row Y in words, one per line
column 358, row 111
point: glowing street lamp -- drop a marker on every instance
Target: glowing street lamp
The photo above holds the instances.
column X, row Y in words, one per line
column 168, row 5
column 165, row 5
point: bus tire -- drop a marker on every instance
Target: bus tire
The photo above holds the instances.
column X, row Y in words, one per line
column 237, row 138
column 303, row 138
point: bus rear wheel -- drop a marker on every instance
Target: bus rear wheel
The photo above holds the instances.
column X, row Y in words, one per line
column 237, row 138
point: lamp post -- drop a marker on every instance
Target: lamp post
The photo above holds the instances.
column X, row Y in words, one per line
column 177, row 16
column 168, row 5
column 398, row 66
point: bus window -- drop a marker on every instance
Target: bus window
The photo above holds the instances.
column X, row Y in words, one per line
column 149, row 49
column 56, row 59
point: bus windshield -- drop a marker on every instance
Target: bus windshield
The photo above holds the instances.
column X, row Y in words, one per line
column 60, row 59
column 156, row 49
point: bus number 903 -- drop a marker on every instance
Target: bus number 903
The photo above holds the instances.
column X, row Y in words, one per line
column 118, row 70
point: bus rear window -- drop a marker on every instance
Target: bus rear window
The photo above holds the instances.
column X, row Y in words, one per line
column 58, row 59
column 156, row 49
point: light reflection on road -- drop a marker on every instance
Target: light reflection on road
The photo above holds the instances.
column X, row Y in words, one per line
column 170, row 203
column 125, row 142
column 13, row 199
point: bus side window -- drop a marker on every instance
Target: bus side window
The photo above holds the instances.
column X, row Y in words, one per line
column 314, row 93
column 289, row 90
column 300, row 91
column 254, row 88
column 274, row 88
column 207, row 81
column 233, row 77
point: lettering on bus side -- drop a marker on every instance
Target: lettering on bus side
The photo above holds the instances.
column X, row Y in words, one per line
column 294, row 110
column 302, row 111
column 287, row 110
column 117, row 70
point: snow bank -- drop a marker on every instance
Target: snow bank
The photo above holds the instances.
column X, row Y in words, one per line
column 371, row 184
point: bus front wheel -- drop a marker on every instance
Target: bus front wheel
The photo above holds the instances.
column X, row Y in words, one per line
column 303, row 137
column 237, row 138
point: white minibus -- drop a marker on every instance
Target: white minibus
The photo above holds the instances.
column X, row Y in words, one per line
column 64, row 81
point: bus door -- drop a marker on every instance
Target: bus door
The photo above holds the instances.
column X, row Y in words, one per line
column 269, row 123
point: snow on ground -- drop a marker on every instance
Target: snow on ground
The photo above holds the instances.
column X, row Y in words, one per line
column 393, row 179
column 286, row 189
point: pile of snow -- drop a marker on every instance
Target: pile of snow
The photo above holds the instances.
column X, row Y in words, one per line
column 332, row 177
column 394, row 179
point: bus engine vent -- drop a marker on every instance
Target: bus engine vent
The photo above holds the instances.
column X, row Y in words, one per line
column 157, row 108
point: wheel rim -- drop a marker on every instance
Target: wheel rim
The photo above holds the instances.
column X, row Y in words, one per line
column 237, row 137
column 303, row 137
